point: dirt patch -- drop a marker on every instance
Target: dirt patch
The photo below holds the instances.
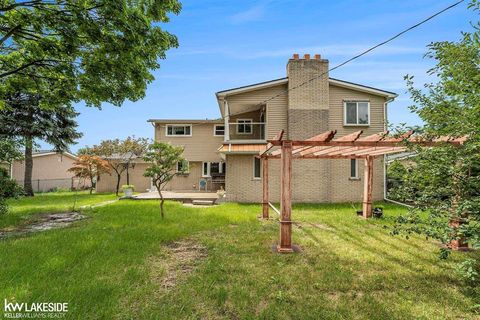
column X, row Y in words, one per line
column 43, row 223
column 179, row 260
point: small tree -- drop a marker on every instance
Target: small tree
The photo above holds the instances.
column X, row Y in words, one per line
column 89, row 167
column 120, row 155
column 163, row 159
column 444, row 183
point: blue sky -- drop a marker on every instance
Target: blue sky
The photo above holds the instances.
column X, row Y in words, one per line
column 230, row 43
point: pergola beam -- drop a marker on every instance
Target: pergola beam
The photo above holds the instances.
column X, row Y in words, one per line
column 323, row 146
column 368, row 188
column 278, row 138
column 265, row 201
column 325, row 137
column 285, row 245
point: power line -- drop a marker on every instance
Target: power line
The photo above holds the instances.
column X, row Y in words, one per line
column 362, row 53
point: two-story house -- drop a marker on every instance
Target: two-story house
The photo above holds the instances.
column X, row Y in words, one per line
column 221, row 153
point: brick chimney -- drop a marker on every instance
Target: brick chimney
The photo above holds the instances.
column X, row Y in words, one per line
column 308, row 104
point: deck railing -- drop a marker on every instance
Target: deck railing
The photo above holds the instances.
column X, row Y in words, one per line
column 245, row 130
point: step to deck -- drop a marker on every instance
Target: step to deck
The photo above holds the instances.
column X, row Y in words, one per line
column 203, row 202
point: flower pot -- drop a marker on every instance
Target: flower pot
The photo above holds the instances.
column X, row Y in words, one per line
column 128, row 192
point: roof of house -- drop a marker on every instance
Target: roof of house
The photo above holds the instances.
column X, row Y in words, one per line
column 337, row 82
column 41, row 153
column 184, row 121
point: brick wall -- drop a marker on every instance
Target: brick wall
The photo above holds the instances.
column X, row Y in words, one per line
column 308, row 104
column 313, row 181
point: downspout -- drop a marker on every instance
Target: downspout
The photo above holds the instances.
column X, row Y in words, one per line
column 385, row 127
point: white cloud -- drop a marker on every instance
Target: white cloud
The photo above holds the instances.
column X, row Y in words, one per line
column 252, row 14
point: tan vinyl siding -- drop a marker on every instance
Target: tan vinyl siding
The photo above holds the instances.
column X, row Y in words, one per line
column 276, row 109
column 336, row 122
column 201, row 146
column 45, row 167
column 108, row 183
column 190, row 181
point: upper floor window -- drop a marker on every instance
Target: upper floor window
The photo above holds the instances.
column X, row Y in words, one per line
column 357, row 113
column 219, row 130
column 244, row 126
column 179, row 130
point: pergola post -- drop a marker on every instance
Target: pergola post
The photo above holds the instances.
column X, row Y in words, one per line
column 265, row 206
column 285, row 245
column 367, row 187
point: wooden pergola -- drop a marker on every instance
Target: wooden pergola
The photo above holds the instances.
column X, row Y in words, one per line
column 324, row 146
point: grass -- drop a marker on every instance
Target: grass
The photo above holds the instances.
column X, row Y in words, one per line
column 25, row 208
column 111, row 267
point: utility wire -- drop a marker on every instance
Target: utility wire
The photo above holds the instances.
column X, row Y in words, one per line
column 360, row 54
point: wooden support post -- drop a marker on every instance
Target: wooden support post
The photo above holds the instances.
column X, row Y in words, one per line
column 285, row 245
column 367, row 187
column 265, row 200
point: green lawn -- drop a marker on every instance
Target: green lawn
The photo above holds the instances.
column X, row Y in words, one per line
column 23, row 209
column 112, row 266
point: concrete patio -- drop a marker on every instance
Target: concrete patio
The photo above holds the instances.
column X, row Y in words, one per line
column 185, row 197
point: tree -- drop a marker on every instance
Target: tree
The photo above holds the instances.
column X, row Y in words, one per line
column 94, row 50
column 24, row 118
column 445, row 182
column 89, row 167
column 120, row 155
column 163, row 159
column 9, row 151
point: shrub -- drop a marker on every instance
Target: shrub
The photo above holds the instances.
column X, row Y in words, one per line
column 3, row 206
column 9, row 188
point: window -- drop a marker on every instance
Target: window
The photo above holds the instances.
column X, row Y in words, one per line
column 244, row 126
column 219, row 130
column 357, row 113
column 256, row 168
column 206, row 169
column 212, row 169
column 353, row 169
column 183, row 166
column 178, row 130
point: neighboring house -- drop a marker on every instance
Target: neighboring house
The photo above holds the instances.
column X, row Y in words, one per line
column 50, row 171
column 405, row 157
column 108, row 182
column 222, row 152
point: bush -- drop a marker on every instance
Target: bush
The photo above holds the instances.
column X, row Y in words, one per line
column 9, row 188
column 3, row 206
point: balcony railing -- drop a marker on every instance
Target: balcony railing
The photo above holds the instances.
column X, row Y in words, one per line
column 242, row 130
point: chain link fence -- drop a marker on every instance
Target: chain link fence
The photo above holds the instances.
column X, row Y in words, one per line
column 49, row 185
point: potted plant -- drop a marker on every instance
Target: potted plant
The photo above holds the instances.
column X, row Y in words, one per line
column 221, row 194
column 128, row 190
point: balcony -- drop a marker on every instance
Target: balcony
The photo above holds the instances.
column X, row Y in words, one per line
column 245, row 131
